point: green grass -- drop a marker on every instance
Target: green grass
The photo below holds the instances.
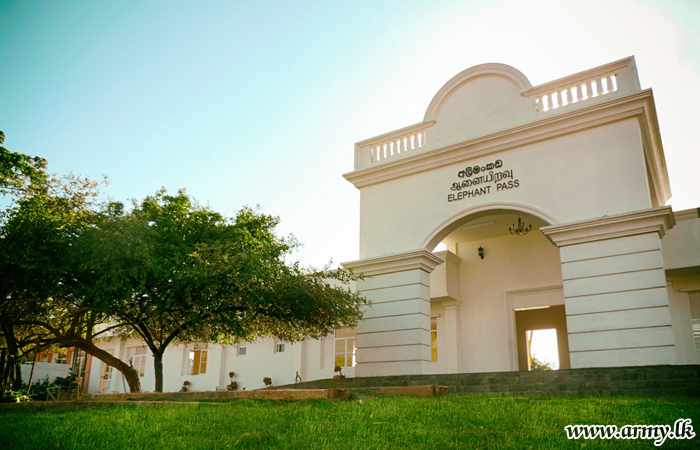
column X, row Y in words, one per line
column 490, row 422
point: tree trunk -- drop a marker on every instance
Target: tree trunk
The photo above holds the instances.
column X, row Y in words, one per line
column 158, row 365
column 5, row 376
column 131, row 374
column 3, row 360
column 72, row 371
column 12, row 369
column 17, row 382
column 31, row 375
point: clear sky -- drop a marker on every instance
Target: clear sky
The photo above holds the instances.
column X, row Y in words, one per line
column 261, row 102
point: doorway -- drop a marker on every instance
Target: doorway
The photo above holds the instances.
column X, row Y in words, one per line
column 106, row 377
column 528, row 321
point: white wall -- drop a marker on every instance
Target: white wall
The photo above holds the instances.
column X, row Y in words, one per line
column 260, row 361
column 43, row 370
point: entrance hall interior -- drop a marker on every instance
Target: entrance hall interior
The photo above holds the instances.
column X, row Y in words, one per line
column 500, row 280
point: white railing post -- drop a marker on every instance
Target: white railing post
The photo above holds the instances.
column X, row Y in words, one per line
column 599, row 87
column 565, row 97
column 556, row 100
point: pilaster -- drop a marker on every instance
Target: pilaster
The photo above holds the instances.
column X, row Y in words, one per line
column 617, row 306
column 393, row 338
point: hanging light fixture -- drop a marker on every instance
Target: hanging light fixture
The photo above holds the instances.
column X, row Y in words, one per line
column 521, row 229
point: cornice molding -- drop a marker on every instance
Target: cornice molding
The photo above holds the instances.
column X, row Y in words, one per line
column 395, row 262
column 448, row 256
column 654, row 220
column 546, row 128
column 521, row 292
column 687, row 214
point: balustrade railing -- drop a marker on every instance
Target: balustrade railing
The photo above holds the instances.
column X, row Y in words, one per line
column 618, row 77
column 397, row 145
column 578, row 93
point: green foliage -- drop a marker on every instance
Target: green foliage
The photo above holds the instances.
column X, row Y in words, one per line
column 40, row 296
column 19, row 172
column 541, row 365
column 171, row 270
column 65, row 381
column 19, row 396
column 39, row 388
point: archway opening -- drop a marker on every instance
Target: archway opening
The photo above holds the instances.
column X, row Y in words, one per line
column 493, row 268
column 489, row 218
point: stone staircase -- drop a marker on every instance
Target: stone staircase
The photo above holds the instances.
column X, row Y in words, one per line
column 639, row 380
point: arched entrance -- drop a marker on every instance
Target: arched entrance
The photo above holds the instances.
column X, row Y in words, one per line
column 494, row 286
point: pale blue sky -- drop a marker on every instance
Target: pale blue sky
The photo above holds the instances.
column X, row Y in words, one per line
column 261, row 102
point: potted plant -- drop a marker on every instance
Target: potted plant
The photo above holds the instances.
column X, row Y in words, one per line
column 267, row 381
column 234, row 384
column 339, row 373
column 185, row 386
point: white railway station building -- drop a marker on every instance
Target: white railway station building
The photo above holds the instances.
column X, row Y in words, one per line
column 509, row 208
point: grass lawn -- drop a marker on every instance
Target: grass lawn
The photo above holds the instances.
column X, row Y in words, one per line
column 492, row 422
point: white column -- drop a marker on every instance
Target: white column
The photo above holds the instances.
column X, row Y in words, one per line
column 451, row 331
column 224, row 379
column 444, row 290
column 393, row 338
column 617, row 307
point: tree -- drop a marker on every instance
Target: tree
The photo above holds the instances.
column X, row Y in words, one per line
column 173, row 271
column 18, row 171
column 42, row 290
